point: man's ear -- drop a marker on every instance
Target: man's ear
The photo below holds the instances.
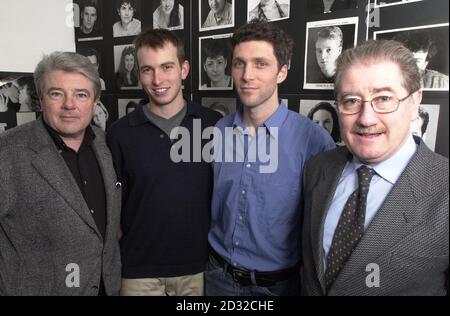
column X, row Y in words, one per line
column 185, row 67
column 282, row 74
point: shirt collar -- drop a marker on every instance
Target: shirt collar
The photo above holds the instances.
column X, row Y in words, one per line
column 276, row 120
column 392, row 168
column 138, row 116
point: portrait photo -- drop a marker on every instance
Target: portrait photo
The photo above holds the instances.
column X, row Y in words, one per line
column 426, row 125
column 324, row 114
column 90, row 20
column 215, row 63
column 101, row 116
column 126, row 106
column 225, row 106
column 168, row 14
column 329, row 6
column 95, row 58
column 325, row 41
column 386, row 3
column 126, row 18
column 216, row 14
column 429, row 45
column 269, row 10
column 126, row 67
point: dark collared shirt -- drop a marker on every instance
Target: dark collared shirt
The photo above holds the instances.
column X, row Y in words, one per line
column 86, row 171
column 165, row 204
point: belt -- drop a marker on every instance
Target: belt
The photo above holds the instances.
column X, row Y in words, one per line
column 245, row 278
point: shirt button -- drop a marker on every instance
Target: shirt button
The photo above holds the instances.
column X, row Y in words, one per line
column 85, row 182
column 237, row 243
column 92, row 211
column 240, row 218
column 249, row 165
column 161, row 136
column 243, row 192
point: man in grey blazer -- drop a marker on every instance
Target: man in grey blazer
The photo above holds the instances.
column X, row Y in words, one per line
column 60, row 202
column 376, row 211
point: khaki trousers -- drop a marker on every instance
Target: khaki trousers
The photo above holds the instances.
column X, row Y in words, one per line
column 188, row 285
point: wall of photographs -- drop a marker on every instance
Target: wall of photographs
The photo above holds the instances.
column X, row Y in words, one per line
column 102, row 36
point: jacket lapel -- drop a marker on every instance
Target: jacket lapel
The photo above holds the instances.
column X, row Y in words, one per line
column 396, row 218
column 104, row 159
column 321, row 198
column 51, row 166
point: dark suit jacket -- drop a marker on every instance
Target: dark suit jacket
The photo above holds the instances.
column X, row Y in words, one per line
column 45, row 224
column 407, row 239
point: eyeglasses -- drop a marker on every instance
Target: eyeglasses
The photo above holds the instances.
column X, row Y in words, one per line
column 381, row 104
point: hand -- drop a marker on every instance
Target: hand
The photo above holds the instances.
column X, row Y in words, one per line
column 3, row 103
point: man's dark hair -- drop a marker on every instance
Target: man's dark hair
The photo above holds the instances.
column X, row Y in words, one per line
column 157, row 38
column 425, row 120
column 259, row 30
column 89, row 3
column 213, row 49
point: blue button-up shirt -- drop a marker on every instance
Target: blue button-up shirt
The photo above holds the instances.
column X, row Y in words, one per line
column 256, row 211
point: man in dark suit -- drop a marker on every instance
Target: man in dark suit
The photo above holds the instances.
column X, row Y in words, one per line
column 376, row 212
column 60, row 202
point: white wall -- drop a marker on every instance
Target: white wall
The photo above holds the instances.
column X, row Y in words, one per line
column 31, row 28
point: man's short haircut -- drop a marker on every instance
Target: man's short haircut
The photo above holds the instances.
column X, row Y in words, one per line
column 214, row 49
column 157, row 38
column 89, row 3
column 372, row 52
column 67, row 62
column 259, row 30
column 132, row 4
column 332, row 33
column 425, row 120
column 88, row 51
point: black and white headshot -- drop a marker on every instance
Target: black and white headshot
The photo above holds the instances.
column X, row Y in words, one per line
column 126, row 67
column 90, row 27
column 426, row 125
column 168, row 14
column 269, row 10
column 215, row 63
column 216, row 14
column 328, row 6
column 126, row 106
column 385, row 3
column 430, row 48
column 225, row 106
column 101, row 116
column 95, row 58
column 28, row 99
column 325, row 42
column 324, row 114
column 127, row 18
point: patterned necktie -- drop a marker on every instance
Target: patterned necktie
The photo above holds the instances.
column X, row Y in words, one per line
column 350, row 227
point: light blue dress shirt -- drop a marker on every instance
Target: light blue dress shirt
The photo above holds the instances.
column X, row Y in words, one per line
column 387, row 174
column 255, row 222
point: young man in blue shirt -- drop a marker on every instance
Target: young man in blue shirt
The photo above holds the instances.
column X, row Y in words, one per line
column 256, row 207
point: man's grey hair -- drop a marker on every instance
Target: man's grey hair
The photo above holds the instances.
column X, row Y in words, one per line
column 67, row 62
column 380, row 51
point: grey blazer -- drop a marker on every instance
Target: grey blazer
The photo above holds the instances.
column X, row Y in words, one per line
column 407, row 239
column 45, row 224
